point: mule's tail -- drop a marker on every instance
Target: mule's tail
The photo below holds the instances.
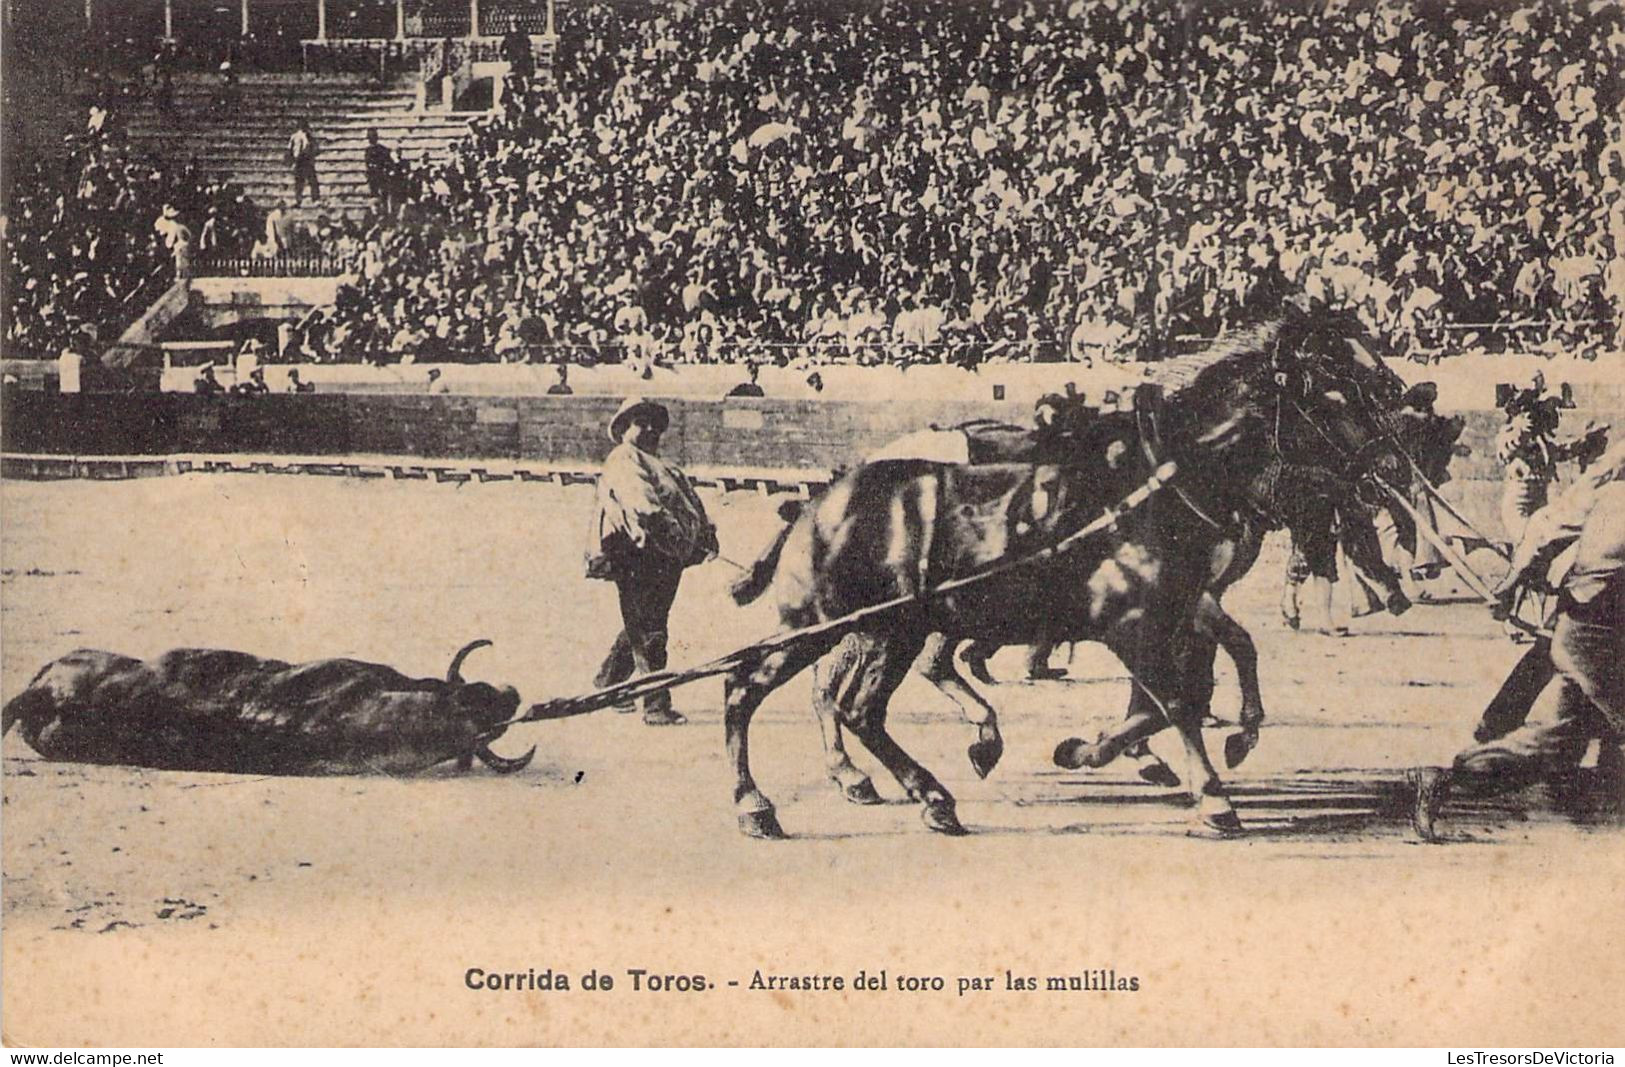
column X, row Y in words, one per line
column 754, row 582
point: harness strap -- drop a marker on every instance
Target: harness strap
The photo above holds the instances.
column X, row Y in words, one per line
column 1147, row 401
column 660, row 681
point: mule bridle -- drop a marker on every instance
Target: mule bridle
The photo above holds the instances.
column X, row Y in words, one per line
column 1352, row 466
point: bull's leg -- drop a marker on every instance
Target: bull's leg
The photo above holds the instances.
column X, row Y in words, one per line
column 885, row 663
column 1216, row 624
column 746, row 690
column 937, row 665
column 854, row 785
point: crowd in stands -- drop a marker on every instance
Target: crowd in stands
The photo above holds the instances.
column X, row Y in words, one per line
column 94, row 237
column 729, row 180
column 1021, row 178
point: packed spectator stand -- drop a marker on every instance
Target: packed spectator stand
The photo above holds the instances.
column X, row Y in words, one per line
column 739, row 180
column 93, row 237
column 1019, row 180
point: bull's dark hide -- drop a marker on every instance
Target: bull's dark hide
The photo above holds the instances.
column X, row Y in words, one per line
column 212, row 710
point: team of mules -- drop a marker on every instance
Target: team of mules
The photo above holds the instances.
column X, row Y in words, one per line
column 1291, row 410
column 1285, row 424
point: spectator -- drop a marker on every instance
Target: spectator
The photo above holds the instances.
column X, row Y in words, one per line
column 749, row 387
column 254, row 386
column 70, row 366
column 380, row 163
column 206, row 384
column 561, row 387
column 302, row 154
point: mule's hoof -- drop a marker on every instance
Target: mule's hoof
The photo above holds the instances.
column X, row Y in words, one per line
column 763, row 825
column 860, row 792
column 984, row 756
column 978, row 670
column 1219, row 825
column 1155, row 772
column 1238, row 746
column 941, row 818
column 1430, row 786
column 1075, row 754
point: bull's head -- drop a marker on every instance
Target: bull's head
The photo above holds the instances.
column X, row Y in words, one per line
column 483, row 708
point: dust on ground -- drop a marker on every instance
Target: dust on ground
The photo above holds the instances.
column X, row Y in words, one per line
column 248, row 897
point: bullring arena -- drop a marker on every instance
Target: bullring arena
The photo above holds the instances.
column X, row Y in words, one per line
column 617, row 827
column 316, row 317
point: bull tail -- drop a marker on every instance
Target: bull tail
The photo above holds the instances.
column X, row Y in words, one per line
column 754, row 582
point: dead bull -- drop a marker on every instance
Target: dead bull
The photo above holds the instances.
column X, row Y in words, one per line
column 211, row 710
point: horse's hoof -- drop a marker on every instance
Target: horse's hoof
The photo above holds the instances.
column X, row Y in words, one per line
column 763, row 825
column 1238, row 746
column 984, row 756
column 860, row 792
column 1155, row 772
column 941, row 818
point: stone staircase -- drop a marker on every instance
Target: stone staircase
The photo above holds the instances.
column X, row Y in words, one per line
column 249, row 142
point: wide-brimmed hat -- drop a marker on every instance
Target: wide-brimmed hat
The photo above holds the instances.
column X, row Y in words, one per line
column 633, row 406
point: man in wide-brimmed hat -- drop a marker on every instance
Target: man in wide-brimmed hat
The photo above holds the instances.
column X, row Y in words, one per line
column 649, row 525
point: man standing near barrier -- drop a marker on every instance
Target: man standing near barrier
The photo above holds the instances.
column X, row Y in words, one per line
column 648, row 526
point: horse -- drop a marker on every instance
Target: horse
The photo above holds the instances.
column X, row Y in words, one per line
column 1287, row 394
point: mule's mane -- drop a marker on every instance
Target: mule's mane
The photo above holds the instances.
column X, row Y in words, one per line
column 1232, row 352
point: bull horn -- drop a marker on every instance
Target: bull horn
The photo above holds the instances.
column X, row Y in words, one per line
column 454, row 672
column 502, row 764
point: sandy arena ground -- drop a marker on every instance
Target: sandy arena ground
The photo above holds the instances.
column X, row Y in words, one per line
column 150, row 908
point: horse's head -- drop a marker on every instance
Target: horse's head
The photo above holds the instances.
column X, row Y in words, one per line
column 1300, row 393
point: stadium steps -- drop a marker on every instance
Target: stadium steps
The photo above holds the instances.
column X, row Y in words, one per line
column 249, row 142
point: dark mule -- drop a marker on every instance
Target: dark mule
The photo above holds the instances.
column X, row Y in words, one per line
column 1076, row 430
column 1313, row 505
column 1290, row 394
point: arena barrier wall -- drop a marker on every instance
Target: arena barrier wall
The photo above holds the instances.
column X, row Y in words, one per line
column 791, row 444
column 812, row 435
column 1466, row 382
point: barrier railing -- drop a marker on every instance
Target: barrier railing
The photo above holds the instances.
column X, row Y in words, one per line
column 1587, row 333
column 269, row 267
